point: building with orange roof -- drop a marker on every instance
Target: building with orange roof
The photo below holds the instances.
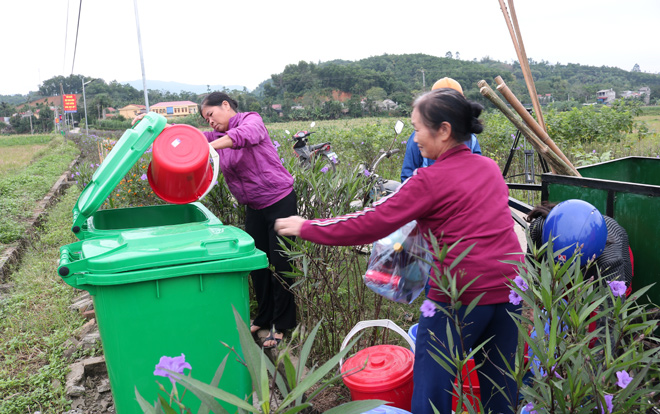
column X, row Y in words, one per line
column 175, row 109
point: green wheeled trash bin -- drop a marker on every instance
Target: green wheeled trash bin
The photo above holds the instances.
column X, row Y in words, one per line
column 164, row 281
column 628, row 190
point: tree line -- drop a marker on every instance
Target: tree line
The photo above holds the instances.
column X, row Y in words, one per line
column 308, row 90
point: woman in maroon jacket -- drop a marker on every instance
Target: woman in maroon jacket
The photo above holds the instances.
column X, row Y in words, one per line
column 461, row 198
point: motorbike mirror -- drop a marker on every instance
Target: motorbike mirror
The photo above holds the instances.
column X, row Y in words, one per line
column 312, row 124
column 398, row 127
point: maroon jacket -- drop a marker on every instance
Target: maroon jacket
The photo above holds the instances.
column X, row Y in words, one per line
column 462, row 196
column 252, row 168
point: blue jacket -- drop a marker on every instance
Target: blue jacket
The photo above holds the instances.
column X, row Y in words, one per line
column 414, row 160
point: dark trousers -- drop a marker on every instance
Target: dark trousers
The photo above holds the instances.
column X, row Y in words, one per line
column 276, row 303
column 434, row 384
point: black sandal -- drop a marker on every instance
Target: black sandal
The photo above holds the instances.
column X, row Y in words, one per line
column 271, row 337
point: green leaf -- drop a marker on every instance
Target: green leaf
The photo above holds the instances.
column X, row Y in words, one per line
column 305, row 351
column 461, row 256
column 204, row 409
column 165, row 406
column 206, row 393
column 356, row 407
column 144, row 404
column 251, row 351
column 316, row 376
column 297, row 408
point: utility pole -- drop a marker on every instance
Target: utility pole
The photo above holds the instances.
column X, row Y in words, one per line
column 85, row 102
column 144, row 78
column 62, row 95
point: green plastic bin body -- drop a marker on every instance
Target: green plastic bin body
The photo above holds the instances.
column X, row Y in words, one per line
column 628, row 190
column 164, row 291
column 164, row 280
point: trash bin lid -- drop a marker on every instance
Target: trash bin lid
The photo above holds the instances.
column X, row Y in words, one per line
column 126, row 152
column 388, row 367
column 156, row 247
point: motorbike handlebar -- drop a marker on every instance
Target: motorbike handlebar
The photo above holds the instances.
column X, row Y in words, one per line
column 302, row 134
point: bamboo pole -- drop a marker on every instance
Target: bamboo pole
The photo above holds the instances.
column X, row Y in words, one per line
column 529, row 79
column 550, row 156
column 516, row 37
column 531, row 122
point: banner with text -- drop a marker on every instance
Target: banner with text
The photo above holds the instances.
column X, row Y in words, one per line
column 70, row 104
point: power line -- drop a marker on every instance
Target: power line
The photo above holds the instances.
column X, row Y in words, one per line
column 76, row 44
column 66, row 35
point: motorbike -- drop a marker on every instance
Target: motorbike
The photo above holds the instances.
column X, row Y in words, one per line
column 379, row 187
column 308, row 155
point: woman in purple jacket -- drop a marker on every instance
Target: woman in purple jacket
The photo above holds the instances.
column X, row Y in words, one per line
column 255, row 175
column 461, row 198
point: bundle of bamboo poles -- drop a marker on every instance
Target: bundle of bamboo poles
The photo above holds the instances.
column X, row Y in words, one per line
column 529, row 128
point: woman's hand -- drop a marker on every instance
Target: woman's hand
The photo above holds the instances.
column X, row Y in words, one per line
column 139, row 118
column 289, row 226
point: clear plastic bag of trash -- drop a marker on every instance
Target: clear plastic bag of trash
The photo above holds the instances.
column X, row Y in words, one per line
column 399, row 265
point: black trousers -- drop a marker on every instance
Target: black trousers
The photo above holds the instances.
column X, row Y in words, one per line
column 276, row 303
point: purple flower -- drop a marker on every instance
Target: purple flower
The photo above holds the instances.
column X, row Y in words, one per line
column 514, row 297
column 362, row 142
column 608, row 402
column 404, row 142
column 334, row 160
column 91, row 165
column 143, row 177
column 552, row 370
column 235, row 205
column 77, row 172
column 282, row 159
column 73, row 176
column 366, row 173
column 623, row 379
column 530, row 408
column 324, row 169
column 427, row 308
column 618, row 288
column 176, row 364
column 520, row 282
column 277, row 144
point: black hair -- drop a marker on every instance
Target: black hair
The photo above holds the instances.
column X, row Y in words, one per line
column 540, row 210
column 448, row 105
column 216, row 99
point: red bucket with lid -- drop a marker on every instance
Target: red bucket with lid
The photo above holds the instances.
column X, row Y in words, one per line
column 388, row 374
column 180, row 171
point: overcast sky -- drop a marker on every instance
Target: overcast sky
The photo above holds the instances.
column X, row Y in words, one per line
column 244, row 42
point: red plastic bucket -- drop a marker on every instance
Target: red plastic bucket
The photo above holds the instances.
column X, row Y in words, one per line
column 180, row 171
column 476, row 390
column 388, row 373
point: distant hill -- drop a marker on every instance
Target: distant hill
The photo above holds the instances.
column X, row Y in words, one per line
column 176, row 87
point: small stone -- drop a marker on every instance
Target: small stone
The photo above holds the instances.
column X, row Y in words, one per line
column 88, row 327
column 104, row 387
column 95, row 366
column 75, row 376
column 75, row 391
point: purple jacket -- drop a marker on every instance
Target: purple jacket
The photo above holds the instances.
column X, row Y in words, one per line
column 252, row 168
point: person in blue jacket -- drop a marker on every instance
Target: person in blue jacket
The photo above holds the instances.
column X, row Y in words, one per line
column 413, row 158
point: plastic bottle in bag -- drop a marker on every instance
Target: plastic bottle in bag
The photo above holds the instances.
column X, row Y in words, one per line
column 395, row 270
